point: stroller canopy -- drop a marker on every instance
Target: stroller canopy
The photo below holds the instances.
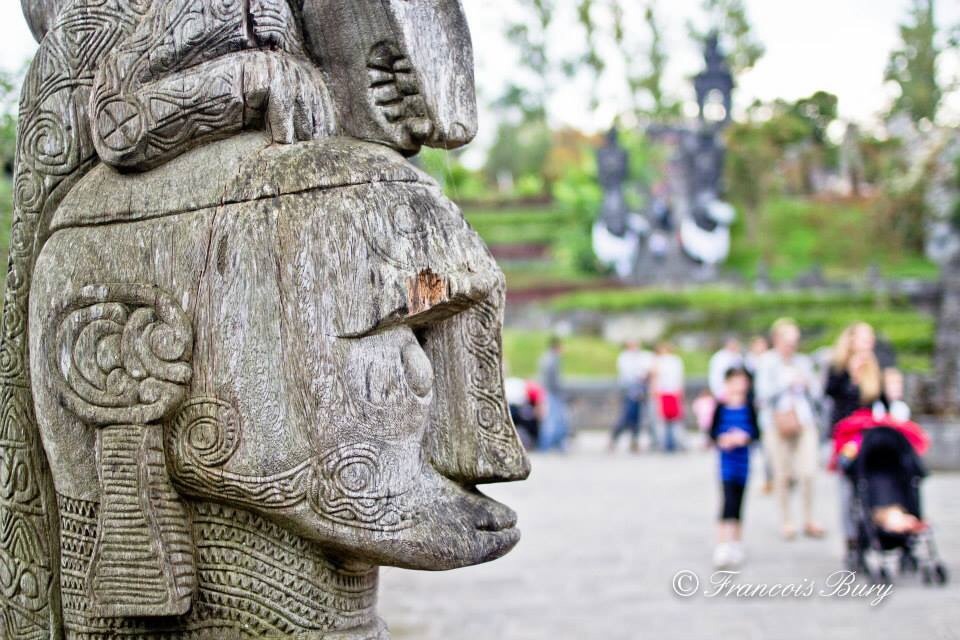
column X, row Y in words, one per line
column 849, row 434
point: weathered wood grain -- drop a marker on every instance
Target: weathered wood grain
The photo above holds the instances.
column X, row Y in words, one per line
column 263, row 354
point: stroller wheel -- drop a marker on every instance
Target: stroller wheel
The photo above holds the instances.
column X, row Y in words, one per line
column 927, row 575
column 908, row 563
column 882, row 576
column 940, row 574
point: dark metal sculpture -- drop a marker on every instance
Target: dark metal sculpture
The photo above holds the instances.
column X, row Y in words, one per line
column 697, row 169
column 613, row 169
column 714, row 85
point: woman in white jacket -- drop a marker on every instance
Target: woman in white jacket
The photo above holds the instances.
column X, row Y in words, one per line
column 786, row 388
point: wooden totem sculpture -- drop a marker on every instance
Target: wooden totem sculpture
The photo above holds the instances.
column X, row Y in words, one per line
column 249, row 352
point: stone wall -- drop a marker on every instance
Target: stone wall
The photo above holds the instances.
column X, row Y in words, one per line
column 596, row 404
column 944, row 454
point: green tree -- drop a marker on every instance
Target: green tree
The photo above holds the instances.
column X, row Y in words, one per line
column 759, row 145
column 649, row 83
column 591, row 59
column 730, row 21
column 605, row 35
column 913, row 66
column 520, row 150
column 751, row 175
column 458, row 182
column 9, row 81
column 819, row 111
column 643, row 55
column 529, row 95
column 813, row 116
column 946, row 359
column 8, row 120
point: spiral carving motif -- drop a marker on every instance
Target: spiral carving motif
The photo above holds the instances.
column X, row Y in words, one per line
column 122, row 355
column 346, row 487
column 206, row 430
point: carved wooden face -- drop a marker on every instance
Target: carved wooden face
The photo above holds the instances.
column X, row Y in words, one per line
column 401, row 70
column 346, row 378
column 355, row 334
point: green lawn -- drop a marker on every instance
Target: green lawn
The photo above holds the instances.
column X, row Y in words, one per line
column 712, row 299
column 583, row 356
column 822, row 316
column 536, row 225
column 530, row 274
column 843, row 238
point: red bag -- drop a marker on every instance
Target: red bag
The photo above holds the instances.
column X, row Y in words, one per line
column 671, row 406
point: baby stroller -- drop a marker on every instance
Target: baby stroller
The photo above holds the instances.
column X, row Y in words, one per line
column 881, row 458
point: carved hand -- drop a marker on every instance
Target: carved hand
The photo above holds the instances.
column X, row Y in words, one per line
column 193, row 72
column 289, row 94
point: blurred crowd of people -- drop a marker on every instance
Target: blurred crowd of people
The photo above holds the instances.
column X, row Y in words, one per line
column 769, row 396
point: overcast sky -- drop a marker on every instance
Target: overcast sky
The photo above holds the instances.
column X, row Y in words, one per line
column 840, row 46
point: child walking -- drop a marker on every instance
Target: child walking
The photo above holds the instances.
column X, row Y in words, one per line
column 735, row 428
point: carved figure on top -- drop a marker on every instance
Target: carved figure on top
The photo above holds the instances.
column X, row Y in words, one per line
column 264, row 351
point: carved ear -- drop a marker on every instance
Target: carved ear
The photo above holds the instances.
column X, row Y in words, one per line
column 122, row 364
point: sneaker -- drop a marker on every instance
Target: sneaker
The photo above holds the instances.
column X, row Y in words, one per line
column 736, row 554
column 721, row 556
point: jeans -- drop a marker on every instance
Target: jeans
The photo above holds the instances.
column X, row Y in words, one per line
column 631, row 418
column 671, row 439
column 555, row 428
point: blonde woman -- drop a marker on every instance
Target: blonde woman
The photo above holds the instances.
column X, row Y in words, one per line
column 855, row 382
column 786, row 388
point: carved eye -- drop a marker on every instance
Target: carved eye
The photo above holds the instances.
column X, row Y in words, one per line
column 418, row 369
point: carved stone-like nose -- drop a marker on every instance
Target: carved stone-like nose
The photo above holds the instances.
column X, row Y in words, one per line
column 471, row 437
column 454, row 135
column 438, row 44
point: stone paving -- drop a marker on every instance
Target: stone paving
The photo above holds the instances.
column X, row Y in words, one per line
column 604, row 535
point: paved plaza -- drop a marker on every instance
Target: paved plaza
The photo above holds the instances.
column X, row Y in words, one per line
column 605, row 535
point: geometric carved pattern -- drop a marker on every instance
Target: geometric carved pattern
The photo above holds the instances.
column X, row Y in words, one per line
column 54, row 147
column 25, row 551
column 256, row 580
column 344, row 485
column 143, row 560
column 121, row 363
column 474, row 438
column 482, row 337
column 193, row 71
column 78, row 531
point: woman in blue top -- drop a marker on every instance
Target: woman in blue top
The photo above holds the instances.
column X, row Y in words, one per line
column 735, row 428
